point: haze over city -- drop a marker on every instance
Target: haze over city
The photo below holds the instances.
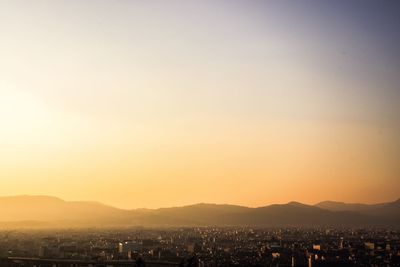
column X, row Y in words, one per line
column 212, row 133
column 168, row 103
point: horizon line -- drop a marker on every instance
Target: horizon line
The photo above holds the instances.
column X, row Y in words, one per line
column 199, row 203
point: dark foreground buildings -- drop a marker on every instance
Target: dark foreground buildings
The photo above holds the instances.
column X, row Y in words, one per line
column 206, row 246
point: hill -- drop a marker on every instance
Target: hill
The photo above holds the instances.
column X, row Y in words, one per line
column 44, row 211
column 386, row 212
column 47, row 210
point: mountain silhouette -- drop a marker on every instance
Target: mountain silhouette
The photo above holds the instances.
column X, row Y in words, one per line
column 52, row 209
column 45, row 211
column 389, row 211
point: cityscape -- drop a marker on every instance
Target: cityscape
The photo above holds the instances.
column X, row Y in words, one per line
column 44, row 231
column 201, row 133
column 201, row 246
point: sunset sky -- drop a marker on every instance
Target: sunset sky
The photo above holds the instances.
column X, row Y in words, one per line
column 168, row 103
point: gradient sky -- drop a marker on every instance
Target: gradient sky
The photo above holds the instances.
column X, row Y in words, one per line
column 165, row 103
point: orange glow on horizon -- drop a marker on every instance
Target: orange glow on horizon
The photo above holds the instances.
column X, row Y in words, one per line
column 213, row 104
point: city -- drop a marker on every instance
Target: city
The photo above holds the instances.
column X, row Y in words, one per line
column 229, row 133
column 201, row 247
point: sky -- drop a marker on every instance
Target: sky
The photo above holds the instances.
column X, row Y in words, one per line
column 168, row 103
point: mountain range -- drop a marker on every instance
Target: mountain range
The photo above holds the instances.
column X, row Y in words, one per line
column 46, row 211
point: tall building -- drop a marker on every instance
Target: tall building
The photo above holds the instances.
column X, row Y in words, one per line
column 127, row 248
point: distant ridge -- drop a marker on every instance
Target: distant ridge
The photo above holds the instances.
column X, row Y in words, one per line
column 383, row 210
column 45, row 211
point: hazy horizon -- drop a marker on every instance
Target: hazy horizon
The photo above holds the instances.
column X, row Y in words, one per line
column 168, row 103
column 197, row 203
column 47, row 212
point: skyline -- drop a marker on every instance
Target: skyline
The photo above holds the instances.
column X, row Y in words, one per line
column 46, row 211
column 158, row 104
column 320, row 204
